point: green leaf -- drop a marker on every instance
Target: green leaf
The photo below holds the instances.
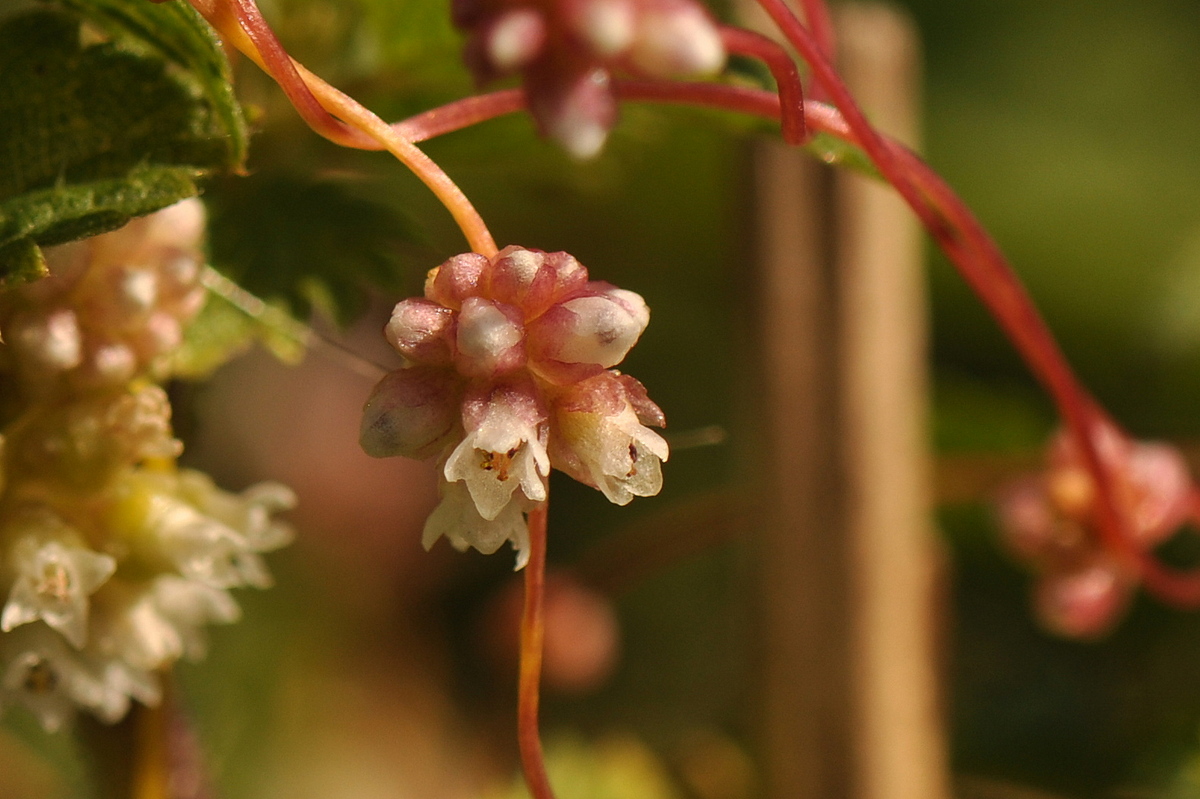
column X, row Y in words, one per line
column 54, row 215
column 176, row 31
column 94, row 133
column 222, row 330
column 836, row 152
column 311, row 244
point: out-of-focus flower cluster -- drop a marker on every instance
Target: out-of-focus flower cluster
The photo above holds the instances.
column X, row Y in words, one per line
column 113, row 560
column 567, row 50
column 1049, row 522
column 508, row 373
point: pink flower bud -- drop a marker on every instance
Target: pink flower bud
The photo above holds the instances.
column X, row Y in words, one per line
column 533, row 281
column 594, row 331
column 572, row 101
column 412, row 412
column 489, row 339
column 1084, row 602
column 420, row 330
column 514, row 39
column 1028, row 523
column 457, row 279
column 1161, row 487
column 51, row 342
column 609, row 26
column 677, row 40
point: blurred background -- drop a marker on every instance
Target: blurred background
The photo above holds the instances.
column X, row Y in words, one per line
column 374, row 669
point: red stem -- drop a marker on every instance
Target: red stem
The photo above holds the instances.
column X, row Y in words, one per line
column 783, row 69
column 816, row 14
column 985, row 269
column 532, row 632
column 279, row 65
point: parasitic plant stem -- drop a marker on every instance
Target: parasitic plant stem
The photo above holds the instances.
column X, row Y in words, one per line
column 532, row 632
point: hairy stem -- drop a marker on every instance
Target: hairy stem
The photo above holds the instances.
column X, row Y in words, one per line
column 532, row 633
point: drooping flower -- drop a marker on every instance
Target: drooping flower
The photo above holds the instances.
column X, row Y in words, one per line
column 602, row 440
column 508, row 373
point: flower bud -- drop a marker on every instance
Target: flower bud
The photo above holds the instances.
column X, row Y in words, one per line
column 456, row 279
column 420, row 330
column 489, row 339
column 590, row 333
column 573, row 104
column 412, row 412
column 533, row 281
column 609, row 26
column 514, row 39
column 1084, row 602
column 677, row 41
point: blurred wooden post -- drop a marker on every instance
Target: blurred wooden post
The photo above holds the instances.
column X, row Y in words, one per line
column 851, row 706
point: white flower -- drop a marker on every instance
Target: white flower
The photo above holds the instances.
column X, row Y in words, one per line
column 155, row 625
column 600, row 439
column 504, row 449
column 458, row 519
column 51, row 681
column 208, row 534
column 42, row 675
column 54, row 580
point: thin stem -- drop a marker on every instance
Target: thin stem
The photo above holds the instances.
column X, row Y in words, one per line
column 151, row 771
column 460, row 114
column 985, row 269
column 816, row 14
column 532, row 632
column 783, row 69
column 319, row 104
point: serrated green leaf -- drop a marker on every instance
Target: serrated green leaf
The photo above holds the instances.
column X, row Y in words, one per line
column 92, row 135
column 175, row 31
column 311, row 244
column 65, row 213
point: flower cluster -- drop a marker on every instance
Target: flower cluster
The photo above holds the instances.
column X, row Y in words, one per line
column 1049, row 521
column 566, row 51
column 112, row 558
column 508, row 373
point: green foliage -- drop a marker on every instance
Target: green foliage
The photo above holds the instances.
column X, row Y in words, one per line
column 94, row 131
column 313, row 244
column 175, row 32
column 223, row 330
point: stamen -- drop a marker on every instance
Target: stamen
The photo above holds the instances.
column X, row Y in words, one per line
column 41, row 678
column 497, row 461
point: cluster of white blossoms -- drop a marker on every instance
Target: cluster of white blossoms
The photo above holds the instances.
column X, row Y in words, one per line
column 113, row 559
column 507, row 374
